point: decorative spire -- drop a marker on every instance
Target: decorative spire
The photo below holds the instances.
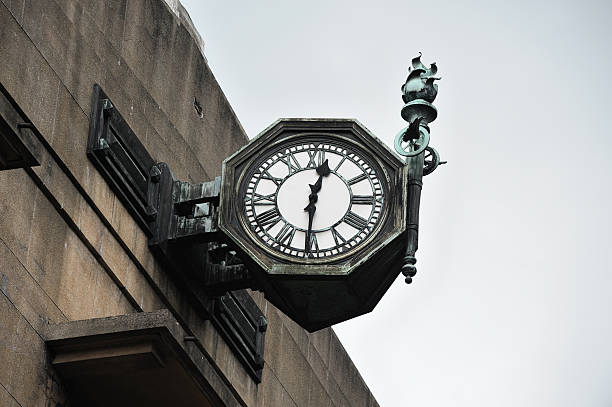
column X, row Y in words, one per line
column 420, row 82
column 418, row 92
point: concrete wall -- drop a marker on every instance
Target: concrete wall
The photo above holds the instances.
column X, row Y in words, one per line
column 69, row 250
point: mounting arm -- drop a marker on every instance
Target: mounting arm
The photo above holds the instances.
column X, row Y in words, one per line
column 188, row 213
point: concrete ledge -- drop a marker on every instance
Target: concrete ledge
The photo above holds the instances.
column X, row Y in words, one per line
column 135, row 359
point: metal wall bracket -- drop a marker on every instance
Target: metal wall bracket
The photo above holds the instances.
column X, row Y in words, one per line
column 240, row 318
column 122, row 159
column 181, row 220
column 195, row 211
column 188, row 219
column 172, row 212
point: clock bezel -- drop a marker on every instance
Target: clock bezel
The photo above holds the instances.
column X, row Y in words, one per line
column 255, row 162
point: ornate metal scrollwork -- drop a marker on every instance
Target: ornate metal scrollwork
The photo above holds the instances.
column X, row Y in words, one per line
column 408, row 146
column 418, row 93
column 431, row 160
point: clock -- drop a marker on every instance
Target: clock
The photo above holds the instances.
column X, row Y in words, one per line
column 316, row 210
column 313, row 198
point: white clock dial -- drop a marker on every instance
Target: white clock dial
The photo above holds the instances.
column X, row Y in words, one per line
column 349, row 200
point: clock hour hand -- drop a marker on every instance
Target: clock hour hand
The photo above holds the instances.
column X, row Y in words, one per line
column 323, row 171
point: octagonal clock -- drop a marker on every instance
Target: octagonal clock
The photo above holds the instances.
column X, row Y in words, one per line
column 317, row 208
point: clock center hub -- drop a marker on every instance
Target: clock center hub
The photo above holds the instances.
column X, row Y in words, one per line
column 332, row 203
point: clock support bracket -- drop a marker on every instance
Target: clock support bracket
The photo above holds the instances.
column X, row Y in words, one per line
column 179, row 217
column 187, row 220
column 180, row 220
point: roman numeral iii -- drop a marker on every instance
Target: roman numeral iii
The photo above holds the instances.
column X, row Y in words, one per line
column 356, row 221
column 362, row 200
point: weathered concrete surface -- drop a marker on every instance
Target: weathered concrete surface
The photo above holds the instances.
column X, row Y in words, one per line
column 25, row 375
column 69, row 250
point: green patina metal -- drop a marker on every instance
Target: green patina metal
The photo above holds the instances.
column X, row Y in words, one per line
column 418, row 92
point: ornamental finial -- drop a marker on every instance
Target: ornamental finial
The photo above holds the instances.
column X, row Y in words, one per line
column 418, row 92
column 420, row 82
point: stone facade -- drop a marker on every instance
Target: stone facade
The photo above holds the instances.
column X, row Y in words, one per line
column 69, row 249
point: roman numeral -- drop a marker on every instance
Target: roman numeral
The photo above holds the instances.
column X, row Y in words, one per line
column 338, row 238
column 362, row 200
column 266, row 175
column 339, row 164
column 314, row 244
column 285, row 234
column 269, row 217
column 259, row 199
column 357, row 179
column 354, row 220
column 312, row 157
column 321, row 159
column 292, row 164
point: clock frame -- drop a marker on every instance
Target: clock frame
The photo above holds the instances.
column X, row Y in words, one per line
column 320, row 292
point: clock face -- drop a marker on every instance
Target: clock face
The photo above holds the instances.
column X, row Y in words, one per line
column 313, row 198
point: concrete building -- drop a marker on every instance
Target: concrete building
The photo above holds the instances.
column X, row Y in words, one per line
column 88, row 315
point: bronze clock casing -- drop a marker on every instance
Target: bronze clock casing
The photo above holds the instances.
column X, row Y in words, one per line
column 320, row 292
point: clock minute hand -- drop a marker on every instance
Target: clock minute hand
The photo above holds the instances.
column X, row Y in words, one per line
column 323, row 171
column 311, row 208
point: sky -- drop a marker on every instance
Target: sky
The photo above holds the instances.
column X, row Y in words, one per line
column 511, row 304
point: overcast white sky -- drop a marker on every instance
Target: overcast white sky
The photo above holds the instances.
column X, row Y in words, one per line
column 511, row 304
